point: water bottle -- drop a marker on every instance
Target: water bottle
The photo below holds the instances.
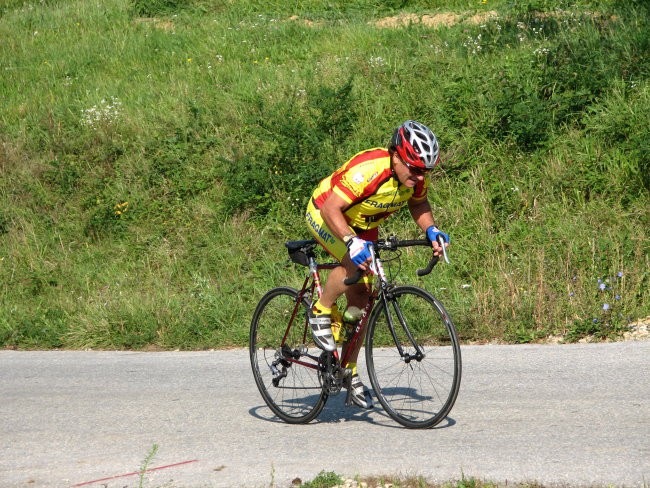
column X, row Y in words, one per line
column 351, row 318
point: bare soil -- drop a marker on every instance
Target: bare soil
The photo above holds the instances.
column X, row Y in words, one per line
column 446, row 19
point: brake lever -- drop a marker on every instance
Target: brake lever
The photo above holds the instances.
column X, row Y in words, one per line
column 441, row 241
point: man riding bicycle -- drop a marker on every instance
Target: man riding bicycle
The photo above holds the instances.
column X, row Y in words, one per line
column 345, row 211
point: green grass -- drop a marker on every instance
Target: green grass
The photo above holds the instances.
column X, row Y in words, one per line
column 155, row 154
column 325, row 479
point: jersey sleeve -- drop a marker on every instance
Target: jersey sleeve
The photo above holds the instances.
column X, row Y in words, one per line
column 350, row 185
column 358, row 177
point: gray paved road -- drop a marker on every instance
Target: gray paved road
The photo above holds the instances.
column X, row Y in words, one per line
column 576, row 414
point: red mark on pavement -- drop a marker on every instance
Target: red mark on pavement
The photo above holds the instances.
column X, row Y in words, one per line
column 136, row 473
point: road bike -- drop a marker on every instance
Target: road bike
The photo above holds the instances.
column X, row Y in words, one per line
column 412, row 350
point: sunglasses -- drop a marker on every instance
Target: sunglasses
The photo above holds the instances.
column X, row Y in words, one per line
column 415, row 170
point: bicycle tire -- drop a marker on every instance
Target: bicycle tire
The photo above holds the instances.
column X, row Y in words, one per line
column 415, row 393
column 296, row 396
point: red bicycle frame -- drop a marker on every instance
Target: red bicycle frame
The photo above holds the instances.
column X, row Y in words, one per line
column 312, row 287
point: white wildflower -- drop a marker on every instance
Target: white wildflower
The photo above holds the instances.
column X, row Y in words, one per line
column 541, row 51
column 105, row 112
column 473, row 45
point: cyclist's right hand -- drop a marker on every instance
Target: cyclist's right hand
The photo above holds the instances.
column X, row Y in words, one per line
column 359, row 251
column 433, row 233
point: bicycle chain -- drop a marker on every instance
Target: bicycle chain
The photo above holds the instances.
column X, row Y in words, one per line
column 330, row 374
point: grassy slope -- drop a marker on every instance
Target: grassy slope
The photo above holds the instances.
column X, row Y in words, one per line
column 149, row 172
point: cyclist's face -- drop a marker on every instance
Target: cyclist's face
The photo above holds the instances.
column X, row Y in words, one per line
column 408, row 175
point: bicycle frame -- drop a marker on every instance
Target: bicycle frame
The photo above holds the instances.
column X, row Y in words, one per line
column 312, row 287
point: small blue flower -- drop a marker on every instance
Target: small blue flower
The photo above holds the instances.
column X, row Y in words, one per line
column 605, row 306
column 599, row 280
column 617, row 297
column 595, row 321
column 571, row 294
column 602, row 286
column 620, row 274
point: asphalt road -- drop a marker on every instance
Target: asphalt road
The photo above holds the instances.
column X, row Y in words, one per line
column 570, row 414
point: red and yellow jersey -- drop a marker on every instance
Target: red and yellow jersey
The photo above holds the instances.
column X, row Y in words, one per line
column 368, row 184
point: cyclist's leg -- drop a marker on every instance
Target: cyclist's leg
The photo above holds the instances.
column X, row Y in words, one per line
column 358, row 295
column 334, row 286
column 320, row 317
column 334, row 246
column 359, row 394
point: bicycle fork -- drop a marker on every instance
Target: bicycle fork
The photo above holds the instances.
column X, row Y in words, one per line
column 419, row 355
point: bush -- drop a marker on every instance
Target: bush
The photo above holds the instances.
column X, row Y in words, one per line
column 153, row 8
column 293, row 144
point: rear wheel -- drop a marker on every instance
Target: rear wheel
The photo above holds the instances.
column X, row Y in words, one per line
column 417, row 387
column 284, row 358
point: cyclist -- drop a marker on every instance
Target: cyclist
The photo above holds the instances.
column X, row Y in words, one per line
column 345, row 211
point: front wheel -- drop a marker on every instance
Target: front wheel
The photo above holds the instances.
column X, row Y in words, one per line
column 413, row 357
column 284, row 358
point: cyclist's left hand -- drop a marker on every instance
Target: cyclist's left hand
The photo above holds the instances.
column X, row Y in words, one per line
column 432, row 235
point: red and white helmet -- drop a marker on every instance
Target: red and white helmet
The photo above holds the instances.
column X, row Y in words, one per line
column 416, row 145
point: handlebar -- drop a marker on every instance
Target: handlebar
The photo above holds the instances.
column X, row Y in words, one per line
column 391, row 244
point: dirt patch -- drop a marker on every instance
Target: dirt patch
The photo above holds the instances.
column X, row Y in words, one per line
column 165, row 25
column 434, row 21
column 440, row 19
column 307, row 22
column 401, row 20
column 483, row 17
column 445, row 19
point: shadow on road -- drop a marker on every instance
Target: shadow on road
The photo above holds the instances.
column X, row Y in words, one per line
column 335, row 411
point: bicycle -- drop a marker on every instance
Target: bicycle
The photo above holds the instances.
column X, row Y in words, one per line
column 413, row 354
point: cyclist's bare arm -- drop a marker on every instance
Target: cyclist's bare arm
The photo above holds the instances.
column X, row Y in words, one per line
column 421, row 213
column 332, row 213
column 423, row 216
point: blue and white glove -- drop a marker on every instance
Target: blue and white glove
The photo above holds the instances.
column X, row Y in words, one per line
column 433, row 232
column 359, row 250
